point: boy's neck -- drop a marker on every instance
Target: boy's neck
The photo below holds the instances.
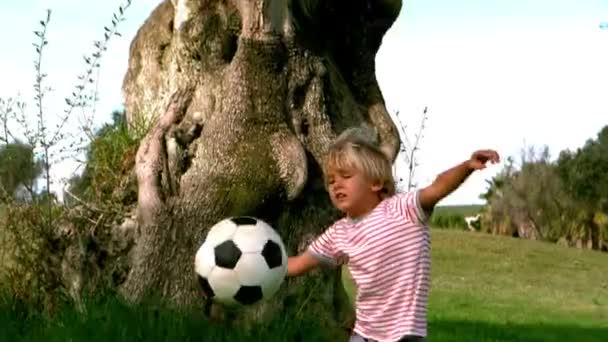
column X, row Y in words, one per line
column 358, row 216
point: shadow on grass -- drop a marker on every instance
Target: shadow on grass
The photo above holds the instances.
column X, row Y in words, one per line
column 452, row 331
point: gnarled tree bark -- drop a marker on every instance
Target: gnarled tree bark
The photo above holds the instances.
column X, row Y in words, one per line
column 245, row 96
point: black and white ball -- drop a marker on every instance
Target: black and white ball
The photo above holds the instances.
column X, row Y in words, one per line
column 241, row 261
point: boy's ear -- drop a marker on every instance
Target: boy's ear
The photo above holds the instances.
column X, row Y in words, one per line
column 377, row 186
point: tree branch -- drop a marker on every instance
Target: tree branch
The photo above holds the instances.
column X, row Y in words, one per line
column 265, row 18
column 151, row 156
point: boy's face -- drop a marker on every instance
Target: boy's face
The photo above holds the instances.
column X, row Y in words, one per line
column 352, row 192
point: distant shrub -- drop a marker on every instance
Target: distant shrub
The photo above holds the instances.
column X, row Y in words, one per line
column 30, row 259
column 558, row 201
column 110, row 160
column 448, row 220
column 35, row 229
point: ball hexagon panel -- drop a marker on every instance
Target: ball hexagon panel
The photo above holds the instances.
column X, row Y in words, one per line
column 224, row 284
column 271, row 233
column 273, row 280
column 205, row 287
column 227, row 254
column 251, row 269
column 248, row 294
column 204, row 261
column 220, row 232
column 250, row 239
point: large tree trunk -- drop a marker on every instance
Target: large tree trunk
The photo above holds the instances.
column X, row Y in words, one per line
column 244, row 97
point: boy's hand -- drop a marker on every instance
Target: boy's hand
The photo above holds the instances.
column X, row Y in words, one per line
column 450, row 180
column 480, row 158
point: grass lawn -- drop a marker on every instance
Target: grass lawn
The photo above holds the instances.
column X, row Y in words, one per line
column 111, row 320
column 489, row 288
column 484, row 289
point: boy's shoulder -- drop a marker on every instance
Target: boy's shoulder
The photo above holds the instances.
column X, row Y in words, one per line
column 406, row 198
column 406, row 204
column 340, row 223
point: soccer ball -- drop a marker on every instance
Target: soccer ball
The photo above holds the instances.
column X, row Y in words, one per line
column 242, row 261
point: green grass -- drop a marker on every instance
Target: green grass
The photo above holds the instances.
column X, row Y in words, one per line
column 484, row 289
column 489, row 288
column 109, row 319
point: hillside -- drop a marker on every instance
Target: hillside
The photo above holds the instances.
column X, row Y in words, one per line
column 491, row 288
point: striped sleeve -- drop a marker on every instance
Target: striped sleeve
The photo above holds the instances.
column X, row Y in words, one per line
column 324, row 247
column 407, row 204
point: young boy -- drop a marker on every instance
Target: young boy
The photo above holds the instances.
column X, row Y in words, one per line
column 384, row 237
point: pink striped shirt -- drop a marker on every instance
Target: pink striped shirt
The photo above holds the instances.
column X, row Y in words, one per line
column 388, row 253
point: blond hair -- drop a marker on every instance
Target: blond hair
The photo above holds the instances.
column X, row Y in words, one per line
column 357, row 149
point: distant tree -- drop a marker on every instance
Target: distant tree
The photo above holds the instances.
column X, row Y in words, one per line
column 565, row 199
column 19, row 170
column 584, row 173
column 497, row 183
column 53, row 144
column 528, row 201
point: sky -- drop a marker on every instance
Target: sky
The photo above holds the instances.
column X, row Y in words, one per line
column 499, row 74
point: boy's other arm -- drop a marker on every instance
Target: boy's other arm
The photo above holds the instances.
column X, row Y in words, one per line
column 451, row 179
column 298, row 265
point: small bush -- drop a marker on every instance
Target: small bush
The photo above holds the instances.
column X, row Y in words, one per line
column 30, row 263
column 111, row 158
column 448, row 220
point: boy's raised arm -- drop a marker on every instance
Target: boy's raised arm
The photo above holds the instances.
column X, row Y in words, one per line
column 451, row 179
